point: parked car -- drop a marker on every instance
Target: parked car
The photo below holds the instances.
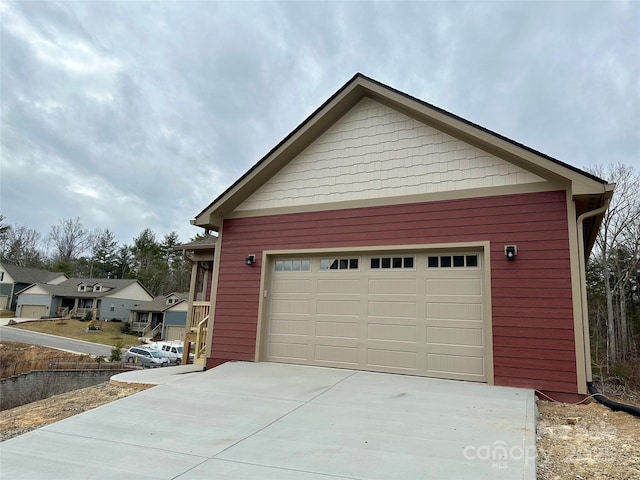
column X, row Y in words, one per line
column 146, row 356
column 171, row 350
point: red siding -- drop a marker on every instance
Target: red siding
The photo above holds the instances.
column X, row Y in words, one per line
column 532, row 308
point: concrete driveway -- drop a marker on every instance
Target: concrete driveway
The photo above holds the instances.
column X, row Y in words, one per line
column 274, row 421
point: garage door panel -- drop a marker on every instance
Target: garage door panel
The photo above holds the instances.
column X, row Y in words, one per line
column 289, row 306
column 393, row 286
column 338, row 286
column 451, row 364
column 392, row 359
column 337, row 354
column 415, row 320
column 291, row 286
column 287, row 351
column 454, row 286
column 338, row 307
column 454, row 311
column 455, row 336
column 337, row 329
column 289, row 327
column 392, row 309
column 385, row 331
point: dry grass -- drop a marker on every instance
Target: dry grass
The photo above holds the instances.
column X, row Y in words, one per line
column 109, row 333
column 17, row 358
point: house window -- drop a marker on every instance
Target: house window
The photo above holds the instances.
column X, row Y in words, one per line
column 452, row 261
column 82, row 288
column 1, row 276
column 112, row 307
column 293, row 265
column 392, row 263
column 339, row 264
column 97, row 288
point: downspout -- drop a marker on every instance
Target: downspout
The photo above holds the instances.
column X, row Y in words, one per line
column 632, row 409
column 583, row 286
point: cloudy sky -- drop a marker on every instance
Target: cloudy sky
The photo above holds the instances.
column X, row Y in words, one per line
column 138, row 114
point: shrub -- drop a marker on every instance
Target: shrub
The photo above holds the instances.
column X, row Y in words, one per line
column 125, row 328
column 88, row 316
column 116, row 352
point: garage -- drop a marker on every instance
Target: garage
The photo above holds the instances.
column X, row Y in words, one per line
column 420, row 313
column 33, row 311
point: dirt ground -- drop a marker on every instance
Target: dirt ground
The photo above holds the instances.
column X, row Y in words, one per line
column 574, row 442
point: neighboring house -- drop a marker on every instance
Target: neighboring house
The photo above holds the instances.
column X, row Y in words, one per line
column 109, row 298
column 165, row 317
column 200, row 253
column 385, row 234
column 14, row 278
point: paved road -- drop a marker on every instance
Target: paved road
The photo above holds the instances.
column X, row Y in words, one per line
column 9, row 334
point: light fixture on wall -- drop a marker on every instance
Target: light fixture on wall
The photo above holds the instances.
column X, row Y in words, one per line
column 510, row 251
column 250, row 260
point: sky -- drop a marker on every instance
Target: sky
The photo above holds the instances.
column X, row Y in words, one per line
column 138, row 114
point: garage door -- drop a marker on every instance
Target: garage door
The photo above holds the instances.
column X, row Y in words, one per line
column 175, row 333
column 415, row 313
column 33, row 311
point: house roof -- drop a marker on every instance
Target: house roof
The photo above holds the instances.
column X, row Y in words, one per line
column 593, row 190
column 69, row 288
column 159, row 303
column 31, row 275
column 206, row 243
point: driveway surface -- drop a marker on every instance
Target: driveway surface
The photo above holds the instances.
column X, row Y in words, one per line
column 275, row 421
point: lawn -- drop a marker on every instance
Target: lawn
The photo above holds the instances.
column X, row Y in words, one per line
column 109, row 333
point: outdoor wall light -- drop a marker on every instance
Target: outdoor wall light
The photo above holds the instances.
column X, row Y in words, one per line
column 510, row 251
column 251, row 259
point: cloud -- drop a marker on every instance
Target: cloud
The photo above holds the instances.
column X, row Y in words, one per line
column 138, row 114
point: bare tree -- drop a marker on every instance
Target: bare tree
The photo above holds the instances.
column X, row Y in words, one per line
column 618, row 252
column 21, row 246
column 70, row 239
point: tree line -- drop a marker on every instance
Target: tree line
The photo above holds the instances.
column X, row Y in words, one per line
column 82, row 253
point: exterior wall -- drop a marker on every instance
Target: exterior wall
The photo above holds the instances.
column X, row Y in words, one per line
column 33, row 299
column 532, row 313
column 175, row 318
column 135, row 291
column 121, row 308
column 376, row 152
column 6, row 289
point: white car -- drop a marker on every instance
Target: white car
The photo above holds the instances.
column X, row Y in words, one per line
column 172, row 351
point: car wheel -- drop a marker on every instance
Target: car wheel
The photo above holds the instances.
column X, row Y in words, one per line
column 130, row 359
column 178, row 362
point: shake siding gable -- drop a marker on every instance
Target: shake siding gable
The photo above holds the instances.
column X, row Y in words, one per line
column 532, row 312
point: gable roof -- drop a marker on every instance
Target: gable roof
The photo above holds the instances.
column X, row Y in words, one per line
column 31, row 275
column 593, row 190
column 159, row 303
column 69, row 288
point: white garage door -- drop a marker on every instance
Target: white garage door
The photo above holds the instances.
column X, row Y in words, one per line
column 33, row 311
column 175, row 333
column 414, row 313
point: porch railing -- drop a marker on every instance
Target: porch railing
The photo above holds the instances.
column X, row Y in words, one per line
column 199, row 311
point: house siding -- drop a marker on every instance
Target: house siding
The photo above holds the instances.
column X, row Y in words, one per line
column 532, row 311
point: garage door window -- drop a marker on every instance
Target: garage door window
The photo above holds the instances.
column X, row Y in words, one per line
column 293, row 265
column 452, row 261
column 392, row 263
column 339, row 264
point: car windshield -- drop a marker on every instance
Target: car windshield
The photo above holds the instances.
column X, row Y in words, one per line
column 156, row 354
column 179, row 349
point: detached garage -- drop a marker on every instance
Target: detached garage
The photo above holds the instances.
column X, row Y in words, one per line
column 385, row 234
